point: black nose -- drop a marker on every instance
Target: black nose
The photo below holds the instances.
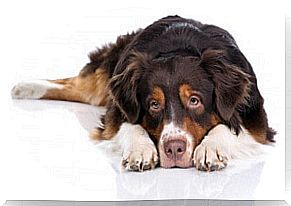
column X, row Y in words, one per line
column 175, row 149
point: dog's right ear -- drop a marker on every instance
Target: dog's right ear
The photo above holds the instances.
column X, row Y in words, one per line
column 232, row 85
column 124, row 83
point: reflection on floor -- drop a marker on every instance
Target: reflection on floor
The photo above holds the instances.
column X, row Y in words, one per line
column 55, row 135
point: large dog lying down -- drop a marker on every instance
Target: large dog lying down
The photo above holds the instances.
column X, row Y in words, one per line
column 178, row 93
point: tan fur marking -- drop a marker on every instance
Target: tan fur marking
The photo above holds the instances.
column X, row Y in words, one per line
column 259, row 136
column 91, row 89
column 196, row 130
column 185, row 92
column 159, row 95
column 156, row 133
column 215, row 120
column 108, row 133
column 95, row 134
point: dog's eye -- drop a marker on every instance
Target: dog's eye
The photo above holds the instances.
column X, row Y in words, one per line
column 154, row 105
column 194, row 101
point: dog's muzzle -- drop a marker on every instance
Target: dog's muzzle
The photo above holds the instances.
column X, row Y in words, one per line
column 175, row 147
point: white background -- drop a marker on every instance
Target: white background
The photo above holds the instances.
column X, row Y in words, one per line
column 52, row 39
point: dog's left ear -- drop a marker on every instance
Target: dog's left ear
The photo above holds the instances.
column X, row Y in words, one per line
column 232, row 85
column 124, row 84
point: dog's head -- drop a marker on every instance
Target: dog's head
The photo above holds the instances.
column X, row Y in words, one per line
column 178, row 99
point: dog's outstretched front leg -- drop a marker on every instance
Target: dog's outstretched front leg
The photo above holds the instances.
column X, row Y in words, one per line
column 221, row 144
column 139, row 153
column 213, row 153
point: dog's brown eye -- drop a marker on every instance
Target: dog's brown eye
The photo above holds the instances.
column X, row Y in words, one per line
column 194, row 101
column 154, row 105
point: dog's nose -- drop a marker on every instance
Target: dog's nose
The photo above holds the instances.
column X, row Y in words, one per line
column 175, row 149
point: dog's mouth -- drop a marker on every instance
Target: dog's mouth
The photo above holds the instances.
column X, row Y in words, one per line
column 175, row 148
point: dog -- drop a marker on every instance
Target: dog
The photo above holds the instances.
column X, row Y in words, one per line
column 178, row 93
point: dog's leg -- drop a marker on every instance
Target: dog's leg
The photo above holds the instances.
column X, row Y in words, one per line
column 138, row 151
column 91, row 89
column 221, row 145
column 90, row 86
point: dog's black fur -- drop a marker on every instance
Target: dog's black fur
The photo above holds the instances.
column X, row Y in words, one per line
column 236, row 98
column 178, row 72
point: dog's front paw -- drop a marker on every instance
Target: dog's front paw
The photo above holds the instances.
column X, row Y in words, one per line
column 141, row 157
column 209, row 156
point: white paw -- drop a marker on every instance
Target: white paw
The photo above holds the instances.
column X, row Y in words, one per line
column 210, row 156
column 32, row 89
column 141, row 157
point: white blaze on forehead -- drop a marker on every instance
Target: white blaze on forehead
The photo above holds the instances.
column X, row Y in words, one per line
column 172, row 113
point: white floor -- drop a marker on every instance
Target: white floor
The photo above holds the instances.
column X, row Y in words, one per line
column 49, row 156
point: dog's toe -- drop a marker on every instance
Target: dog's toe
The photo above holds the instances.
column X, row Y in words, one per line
column 140, row 159
column 209, row 157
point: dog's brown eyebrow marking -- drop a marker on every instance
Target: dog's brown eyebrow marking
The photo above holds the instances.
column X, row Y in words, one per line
column 185, row 92
column 158, row 94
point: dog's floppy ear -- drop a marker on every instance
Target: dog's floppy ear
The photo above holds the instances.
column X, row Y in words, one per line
column 124, row 84
column 232, row 85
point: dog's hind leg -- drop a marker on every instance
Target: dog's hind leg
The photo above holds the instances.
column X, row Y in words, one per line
column 91, row 89
column 90, row 86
